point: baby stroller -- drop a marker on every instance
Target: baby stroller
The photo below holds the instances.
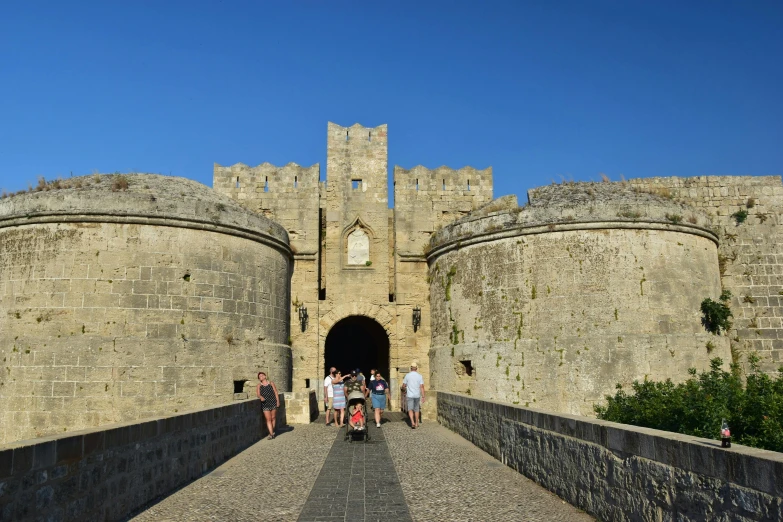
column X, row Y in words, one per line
column 357, row 405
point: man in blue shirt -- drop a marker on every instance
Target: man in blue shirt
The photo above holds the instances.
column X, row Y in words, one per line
column 413, row 384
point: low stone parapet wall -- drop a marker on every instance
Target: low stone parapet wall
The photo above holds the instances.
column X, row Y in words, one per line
column 620, row 472
column 110, row 472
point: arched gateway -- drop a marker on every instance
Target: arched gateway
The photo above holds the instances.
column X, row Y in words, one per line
column 357, row 341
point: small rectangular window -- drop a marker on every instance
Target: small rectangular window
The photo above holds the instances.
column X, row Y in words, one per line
column 356, row 184
column 266, row 184
column 346, row 135
column 307, row 384
column 237, row 181
column 444, row 184
column 322, row 294
column 417, row 184
column 239, row 386
column 296, row 181
column 468, row 185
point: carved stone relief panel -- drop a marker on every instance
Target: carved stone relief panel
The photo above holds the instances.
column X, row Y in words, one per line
column 358, row 247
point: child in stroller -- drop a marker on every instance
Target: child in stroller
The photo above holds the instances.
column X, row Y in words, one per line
column 357, row 428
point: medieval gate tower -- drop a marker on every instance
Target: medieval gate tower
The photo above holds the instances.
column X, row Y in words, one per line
column 360, row 268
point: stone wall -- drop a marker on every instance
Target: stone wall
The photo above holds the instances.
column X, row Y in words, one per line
column 108, row 473
column 289, row 195
column 619, row 472
column 750, row 254
column 124, row 304
column 424, row 201
column 553, row 304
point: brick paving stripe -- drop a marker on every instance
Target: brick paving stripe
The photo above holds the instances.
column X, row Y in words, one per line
column 357, row 483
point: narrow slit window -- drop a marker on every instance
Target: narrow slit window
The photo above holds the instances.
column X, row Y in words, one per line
column 237, row 181
column 296, row 181
column 266, row 184
column 346, row 135
column 369, row 136
column 468, row 185
column 444, row 184
column 307, row 384
column 417, row 184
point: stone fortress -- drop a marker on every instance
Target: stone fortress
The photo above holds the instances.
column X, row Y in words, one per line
column 130, row 297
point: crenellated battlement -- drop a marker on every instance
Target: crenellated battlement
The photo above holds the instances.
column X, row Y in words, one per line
column 357, row 134
column 466, row 179
column 242, row 178
column 287, row 194
column 427, row 199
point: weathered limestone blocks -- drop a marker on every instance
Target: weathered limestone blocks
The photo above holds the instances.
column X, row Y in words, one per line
column 288, row 195
column 553, row 304
column 121, row 304
column 750, row 253
column 619, row 472
column 427, row 199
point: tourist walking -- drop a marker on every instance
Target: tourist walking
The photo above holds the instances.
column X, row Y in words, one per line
column 360, row 377
column 266, row 391
column 413, row 383
column 339, row 399
column 380, row 394
column 354, row 384
column 329, row 392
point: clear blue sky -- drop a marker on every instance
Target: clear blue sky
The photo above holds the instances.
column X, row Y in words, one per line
column 540, row 90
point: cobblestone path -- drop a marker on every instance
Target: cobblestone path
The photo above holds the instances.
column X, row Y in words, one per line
column 310, row 473
column 269, row 481
column 446, row 478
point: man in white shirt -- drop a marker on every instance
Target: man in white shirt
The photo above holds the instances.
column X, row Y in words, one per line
column 413, row 383
column 329, row 392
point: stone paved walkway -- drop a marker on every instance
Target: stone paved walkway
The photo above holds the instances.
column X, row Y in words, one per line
column 358, row 483
column 289, row 478
column 446, row 478
column 269, row 481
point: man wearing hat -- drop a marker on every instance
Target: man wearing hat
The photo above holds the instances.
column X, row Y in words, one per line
column 413, row 383
column 354, row 384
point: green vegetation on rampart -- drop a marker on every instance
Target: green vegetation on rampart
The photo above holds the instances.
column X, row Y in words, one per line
column 753, row 409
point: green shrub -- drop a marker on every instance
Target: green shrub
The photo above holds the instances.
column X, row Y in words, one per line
column 740, row 216
column 697, row 406
column 716, row 313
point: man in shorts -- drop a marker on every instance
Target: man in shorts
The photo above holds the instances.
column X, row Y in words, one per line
column 329, row 392
column 413, row 383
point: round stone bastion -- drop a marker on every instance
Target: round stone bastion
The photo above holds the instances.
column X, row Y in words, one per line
column 553, row 304
column 126, row 297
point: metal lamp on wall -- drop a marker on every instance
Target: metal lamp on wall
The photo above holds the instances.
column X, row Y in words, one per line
column 303, row 317
column 416, row 318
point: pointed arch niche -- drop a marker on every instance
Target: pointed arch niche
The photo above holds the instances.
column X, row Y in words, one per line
column 357, row 240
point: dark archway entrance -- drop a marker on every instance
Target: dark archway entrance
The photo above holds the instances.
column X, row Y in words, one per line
column 357, row 342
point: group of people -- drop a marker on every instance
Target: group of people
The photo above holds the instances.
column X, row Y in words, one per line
column 338, row 387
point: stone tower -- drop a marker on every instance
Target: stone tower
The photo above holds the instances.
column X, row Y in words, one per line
column 359, row 266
